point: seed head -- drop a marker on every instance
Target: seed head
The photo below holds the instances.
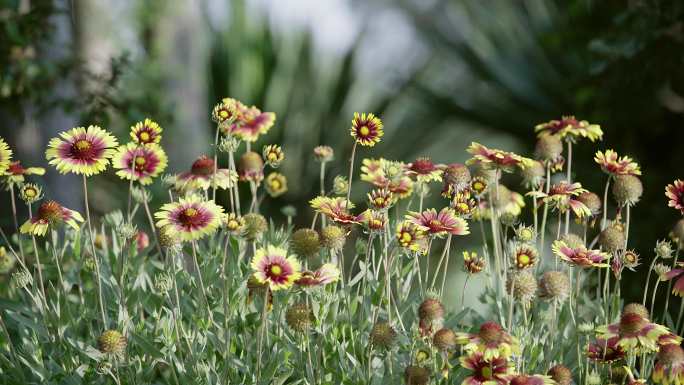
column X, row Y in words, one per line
column 299, row 317
column 663, row 249
column 636, row 308
column 592, row 201
column 670, row 355
column 632, row 323
column 522, row 285
column 548, row 148
column 333, row 237
column 627, row 189
column 457, row 175
column 416, row 375
column 431, row 309
column 306, row 242
column 573, row 240
column 444, row 339
column 255, row 226
column 382, row 335
column 554, row 286
column 491, row 332
column 612, row 238
column 112, row 342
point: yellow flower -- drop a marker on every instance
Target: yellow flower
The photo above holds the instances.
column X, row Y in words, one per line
column 275, row 184
column 146, row 132
column 5, row 156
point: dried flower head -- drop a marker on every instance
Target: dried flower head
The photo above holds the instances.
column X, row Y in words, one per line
column 554, row 286
column 416, row 375
column 431, row 309
column 323, row 153
column 366, row 129
column 444, row 339
column 251, row 167
column 612, row 238
column 548, row 148
column 662, row 271
column 592, row 201
column 533, row 176
column 457, row 176
column 522, row 286
column 663, row 249
column 333, row 237
column 255, row 225
column 382, row 335
column 299, row 317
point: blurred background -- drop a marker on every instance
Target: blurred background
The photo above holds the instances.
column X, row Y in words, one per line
column 440, row 73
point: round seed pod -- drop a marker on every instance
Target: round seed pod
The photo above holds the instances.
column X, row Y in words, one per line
column 382, row 335
column 490, row 332
column 627, row 189
column 112, row 342
column 663, row 249
column 573, row 240
column 431, row 309
column 534, row 174
column 548, row 148
column 299, row 317
column 632, row 323
column 444, row 339
column 612, row 238
column 333, row 237
column 251, row 166
column 416, row 375
column 636, row 308
column 255, row 226
column 306, row 242
column 670, row 355
column 522, row 285
column 561, row 374
column 457, row 175
column 592, row 201
column 554, row 286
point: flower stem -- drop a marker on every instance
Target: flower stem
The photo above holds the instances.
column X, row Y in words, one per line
column 95, row 258
column 262, row 333
column 16, row 222
column 201, row 281
column 351, row 174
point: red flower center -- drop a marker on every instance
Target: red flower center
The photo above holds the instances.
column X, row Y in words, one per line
column 203, row 166
column 15, row 168
column 490, row 332
column 422, row 166
column 190, row 217
column 82, row 149
column 50, row 211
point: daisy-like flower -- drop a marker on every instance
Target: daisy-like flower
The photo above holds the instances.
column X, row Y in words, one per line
column 525, row 256
column 630, row 259
column 50, row 214
column 328, row 273
column 373, row 220
column 562, row 196
column 30, row 193
column 16, row 172
column 5, row 156
column 675, row 193
column 606, row 351
column 234, row 223
column 463, row 204
column 201, row 175
column 571, row 128
column 250, row 123
column 273, row 155
column 366, row 129
column 669, row 367
column 225, row 111
column 275, row 184
column 612, row 164
column 425, row 171
column 486, row 372
column 190, row 218
column 491, row 340
column 146, row 132
column 388, row 174
column 273, row 267
column 335, row 208
column 380, row 199
column 411, row 237
column 635, row 333
column 579, row 255
column 497, row 159
column 439, row 224
column 472, row 263
column 139, row 163
column 81, row 150
column 478, row 186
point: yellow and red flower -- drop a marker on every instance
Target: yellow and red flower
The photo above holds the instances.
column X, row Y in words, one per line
column 50, row 214
column 388, row 174
column 463, row 204
column 273, row 154
column 636, row 333
column 424, row 170
column 16, row 172
column 472, row 263
column 327, row 273
column 335, row 208
column 570, row 127
column 380, row 199
column 190, row 218
column 373, row 220
column 669, row 367
column 613, row 164
column 139, row 163
column 273, row 267
column 579, row 255
column 225, row 111
column 5, row 156
column 323, row 153
column 201, row 176
column 439, row 224
column 491, row 341
column 234, row 223
column 146, row 132
column 525, row 256
column 366, row 129
column 81, row 150
column 411, row 237
column 675, row 193
column 495, row 158
column 605, row 350
column 562, row 196
column 486, row 372
column 250, row 123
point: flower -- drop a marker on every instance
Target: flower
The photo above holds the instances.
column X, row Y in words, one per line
column 275, row 184
column 425, row 171
column 678, row 287
column 579, row 255
column 273, row 154
column 112, row 341
column 380, row 199
column 146, row 132
column 472, row 263
column 494, row 158
column 250, row 123
column 478, row 185
column 614, row 165
column 571, row 128
column 388, row 174
column 201, row 176
column 15, row 173
column 486, row 372
column 30, row 193
column 327, row 273
column 636, row 333
column 675, row 193
column 525, row 256
column 50, row 214
column 463, row 204
column 562, row 196
column 335, row 208
column 439, row 224
column 5, row 156
column 630, row 259
column 190, row 218
column 669, row 367
column 373, row 220
column 142, row 241
column 139, row 163
column 81, row 150
column 663, row 249
column 234, row 223
column 251, row 167
column 323, row 153
column 411, row 237
column 525, row 233
column 366, row 129
column 605, row 350
column 273, row 267
column 340, row 185
column 491, row 340
column 226, row 111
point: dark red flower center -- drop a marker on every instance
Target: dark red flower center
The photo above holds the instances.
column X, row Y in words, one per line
column 50, row 211
column 422, row 166
column 490, row 331
column 203, row 166
column 190, row 217
column 631, row 323
column 82, row 149
column 15, row 168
